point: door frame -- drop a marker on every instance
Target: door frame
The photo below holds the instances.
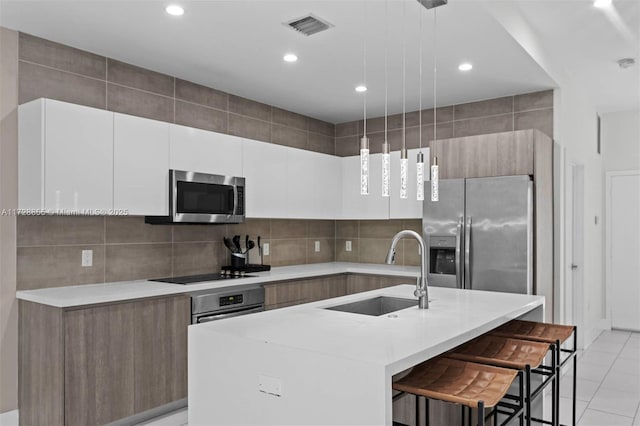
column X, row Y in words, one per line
column 608, row 243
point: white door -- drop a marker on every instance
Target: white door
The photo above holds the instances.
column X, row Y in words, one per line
column 573, row 294
column 141, row 165
column 623, row 213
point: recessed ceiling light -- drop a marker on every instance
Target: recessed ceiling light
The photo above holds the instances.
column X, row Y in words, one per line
column 175, row 10
column 290, row 57
column 361, row 89
column 466, row 66
column 602, row 3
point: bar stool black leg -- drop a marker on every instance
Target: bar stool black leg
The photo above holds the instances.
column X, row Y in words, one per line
column 418, row 411
column 480, row 413
column 555, row 388
column 426, row 411
column 575, row 373
column 527, row 400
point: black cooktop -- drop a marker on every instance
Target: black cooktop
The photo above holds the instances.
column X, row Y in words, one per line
column 193, row 279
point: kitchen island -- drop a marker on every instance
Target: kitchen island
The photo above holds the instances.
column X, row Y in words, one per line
column 311, row 365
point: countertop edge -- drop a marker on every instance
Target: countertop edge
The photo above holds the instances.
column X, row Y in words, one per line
column 94, row 294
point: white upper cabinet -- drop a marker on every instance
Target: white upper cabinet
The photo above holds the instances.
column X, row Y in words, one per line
column 141, row 165
column 265, row 171
column 65, row 157
column 196, row 150
column 356, row 206
column 410, row 207
column 284, row 182
column 313, row 185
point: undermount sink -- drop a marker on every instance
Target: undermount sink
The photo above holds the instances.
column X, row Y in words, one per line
column 375, row 306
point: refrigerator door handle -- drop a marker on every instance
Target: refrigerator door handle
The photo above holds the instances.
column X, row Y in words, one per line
column 459, row 271
column 467, row 254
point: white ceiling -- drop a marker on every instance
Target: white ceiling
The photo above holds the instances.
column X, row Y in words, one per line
column 237, row 46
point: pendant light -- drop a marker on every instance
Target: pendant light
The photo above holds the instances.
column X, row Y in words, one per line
column 386, row 150
column 434, row 166
column 404, row 161
column 420, row 159
column 364, row 142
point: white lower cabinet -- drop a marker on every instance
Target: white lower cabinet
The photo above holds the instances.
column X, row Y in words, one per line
column 355, row 205
column 196, row 150
column 141, row 165
column 65, row 157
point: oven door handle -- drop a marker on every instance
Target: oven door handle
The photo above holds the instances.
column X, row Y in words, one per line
column 215, row 317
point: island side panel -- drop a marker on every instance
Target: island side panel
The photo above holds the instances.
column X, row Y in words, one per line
column 316, row 389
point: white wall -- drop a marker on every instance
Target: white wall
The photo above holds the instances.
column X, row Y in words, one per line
column 620, row 137
column 575, row 127
column 621, row 140
column 575, row 131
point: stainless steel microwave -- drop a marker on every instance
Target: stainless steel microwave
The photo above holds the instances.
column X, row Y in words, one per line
column 203, row 198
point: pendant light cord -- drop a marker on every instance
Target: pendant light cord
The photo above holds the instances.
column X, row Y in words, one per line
column 386, row 66
column 364, row 65
column 404, row 74
column 420, row 84
column 435, row 69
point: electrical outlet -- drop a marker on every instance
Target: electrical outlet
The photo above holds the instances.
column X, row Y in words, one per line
column 265, row 249
column 317, row 246
column 87, row 257
column 270, row 385
column 348, row 246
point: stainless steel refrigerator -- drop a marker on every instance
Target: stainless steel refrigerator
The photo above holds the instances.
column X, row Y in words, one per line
column 480, row 234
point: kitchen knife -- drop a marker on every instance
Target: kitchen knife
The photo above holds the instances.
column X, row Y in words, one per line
column 260, row 249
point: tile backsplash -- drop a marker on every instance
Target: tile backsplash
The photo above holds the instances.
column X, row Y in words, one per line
column 518, row 112
column 126, row 248
column 53, row 70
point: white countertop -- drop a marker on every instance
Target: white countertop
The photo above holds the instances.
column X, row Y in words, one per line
column 89, row 294
column 396, row 341
column 306, row 365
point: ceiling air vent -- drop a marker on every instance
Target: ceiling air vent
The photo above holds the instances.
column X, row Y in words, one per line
column 309, row 25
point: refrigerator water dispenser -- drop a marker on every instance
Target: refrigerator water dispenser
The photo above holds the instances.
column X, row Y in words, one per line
column 442, row 255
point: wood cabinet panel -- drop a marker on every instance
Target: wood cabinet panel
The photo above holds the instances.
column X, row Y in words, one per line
column 357, row 283
column 289, row 293
column 160, row 351
column 99, row 364
column 497, row 154
column 40, row 365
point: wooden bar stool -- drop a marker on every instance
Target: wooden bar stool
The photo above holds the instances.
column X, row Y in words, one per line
column 469, row 384
column 522, row 355
column 555, row 335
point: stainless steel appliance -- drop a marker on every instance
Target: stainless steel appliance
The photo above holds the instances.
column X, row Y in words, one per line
column 479, row 234
column 203, row 198
column 221, row 303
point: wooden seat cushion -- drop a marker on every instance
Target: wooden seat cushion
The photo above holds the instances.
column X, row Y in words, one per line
column 537, row 331
column 459, row 382
column 502, row 352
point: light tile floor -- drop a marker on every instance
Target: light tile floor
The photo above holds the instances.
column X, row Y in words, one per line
column 608, row 392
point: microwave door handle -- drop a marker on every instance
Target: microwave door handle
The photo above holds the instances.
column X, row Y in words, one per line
column 234, row 201
column 459, row 270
